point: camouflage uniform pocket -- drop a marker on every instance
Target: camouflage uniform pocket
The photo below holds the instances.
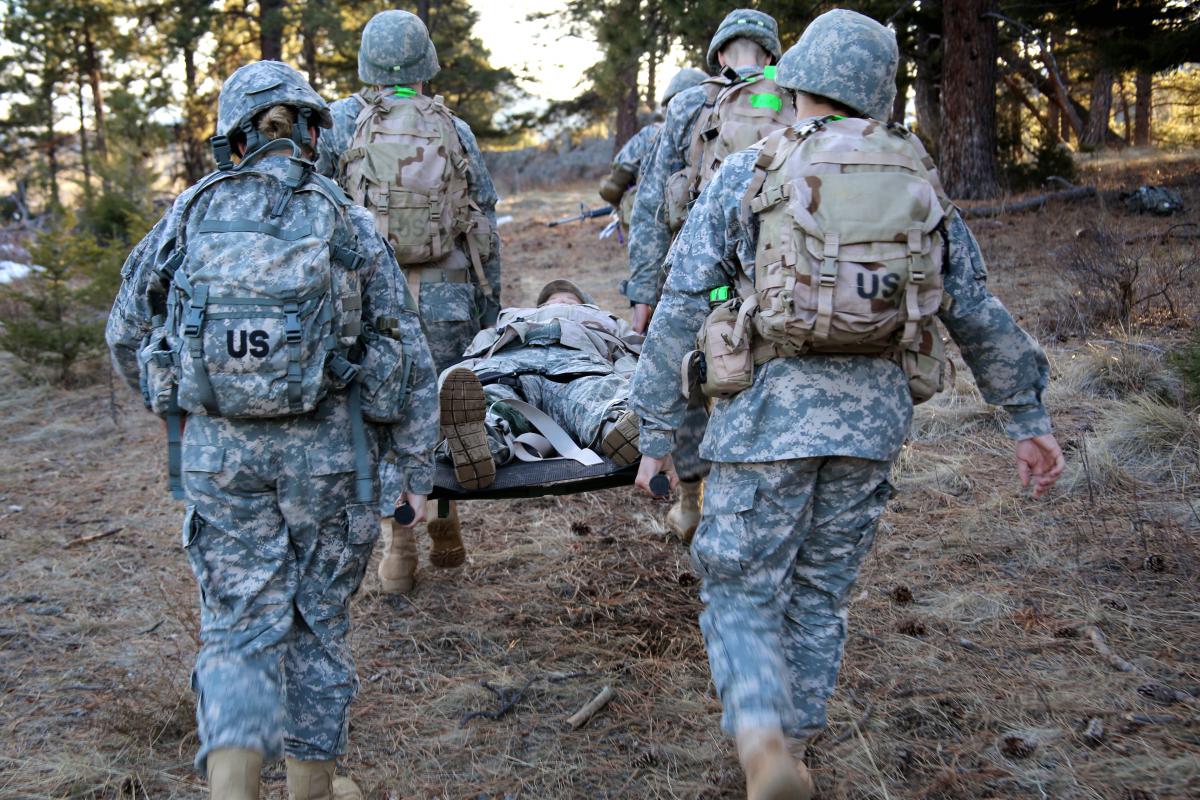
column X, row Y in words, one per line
column 361, row 529
column 722, row 547
column 208, row 468
column 678, row 200
column 385, row 373
column 447, row 302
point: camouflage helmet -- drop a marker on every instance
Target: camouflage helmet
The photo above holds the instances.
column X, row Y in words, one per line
column 396, row 50
column 559, row 285
column 258, row 86
column 745, row 23
column 846, row 57
column 686, row 78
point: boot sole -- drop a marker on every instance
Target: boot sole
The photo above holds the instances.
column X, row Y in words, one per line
column 463, row 410
column 621, row 443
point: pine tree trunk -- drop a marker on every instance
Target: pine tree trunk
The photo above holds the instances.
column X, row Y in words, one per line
column 85, row 161
column 1126, row 112
column 1095, row 133
column 627, row 122
column 93, row 67
column 1144, row 91
column 194, row 161
column 652, row 76
column 270, row 29
column 927, row 100
column 309, row 54
column 51, row 143
column 967, row 151
column 1053, row 122
column 423, row 12
column 900, row 105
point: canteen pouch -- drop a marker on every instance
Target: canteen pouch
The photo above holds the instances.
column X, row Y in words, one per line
column 724, row 341
column 160, row 372
column 678, row 199
column 925, row 365
column 384, row 378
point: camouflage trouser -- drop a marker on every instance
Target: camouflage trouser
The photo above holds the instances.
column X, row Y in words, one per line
column 278, row 545
column 580, row 406
column 687, row 445
column 778, row 548
column 450, row 318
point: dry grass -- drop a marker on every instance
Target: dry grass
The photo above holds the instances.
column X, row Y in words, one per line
column 965, row 675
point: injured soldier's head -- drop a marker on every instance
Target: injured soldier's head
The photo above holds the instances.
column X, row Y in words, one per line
column 562, row 292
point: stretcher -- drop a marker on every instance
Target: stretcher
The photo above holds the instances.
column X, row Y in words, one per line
column 557, row 476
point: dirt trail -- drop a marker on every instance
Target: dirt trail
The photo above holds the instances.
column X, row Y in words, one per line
column 967, row 674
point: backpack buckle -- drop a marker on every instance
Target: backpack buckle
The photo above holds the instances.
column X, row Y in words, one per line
column 343, row 369
column 222, row 152
column 292, row 333
column 193, row 316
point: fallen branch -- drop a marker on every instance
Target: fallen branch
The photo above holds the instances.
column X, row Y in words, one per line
column 91, row 537
column 1031, row 203
column 1097, row 638
column 581, row 717
column 508, row 701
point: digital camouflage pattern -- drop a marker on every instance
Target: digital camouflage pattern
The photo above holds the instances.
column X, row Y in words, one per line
column 847, row 57
column 818, row 405
column 273, row 529
column 452, row 313
column 571, row 361
column 396, row 51
column 649, row 236
column 686, row 78
column 802, row 458
column 744, row 23
column 633, row 154
column 778, row 549
column 258, row 86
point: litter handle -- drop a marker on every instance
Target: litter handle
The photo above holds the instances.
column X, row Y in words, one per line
column 660, row 485
column 405, row 514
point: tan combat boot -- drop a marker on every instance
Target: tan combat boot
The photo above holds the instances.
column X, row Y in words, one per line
column 463, row 411
column 684, row 516
column 314, row 780
column 233, row 773
column 445, row 540
column 620, row 439
column 398, row 567
column 771, row 774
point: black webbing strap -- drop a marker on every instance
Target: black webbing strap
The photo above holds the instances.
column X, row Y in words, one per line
column 293, row 335
column 174, row 420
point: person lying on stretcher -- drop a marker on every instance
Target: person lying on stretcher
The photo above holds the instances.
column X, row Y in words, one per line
column 547, row 380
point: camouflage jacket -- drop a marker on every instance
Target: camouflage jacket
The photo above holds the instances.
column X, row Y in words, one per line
column 818, row 405
column 335, row 141
column 385, row 294
column 649, row 237
column 555, row 340
column 635, row 154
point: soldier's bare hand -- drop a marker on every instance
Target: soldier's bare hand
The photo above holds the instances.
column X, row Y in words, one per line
column 417, row 503
column 641, row 317
column 1040, row 461
column 649, row 467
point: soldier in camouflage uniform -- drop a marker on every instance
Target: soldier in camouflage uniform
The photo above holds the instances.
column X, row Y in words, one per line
column 566, row 358
column 396, row 53
column 274, row 531
column 802, row 457
column 650, row 238
column 619, row 188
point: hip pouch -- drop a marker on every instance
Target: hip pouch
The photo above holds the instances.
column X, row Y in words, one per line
column 726, row 347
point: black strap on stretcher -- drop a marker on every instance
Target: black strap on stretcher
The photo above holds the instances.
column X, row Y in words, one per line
column 534, row 479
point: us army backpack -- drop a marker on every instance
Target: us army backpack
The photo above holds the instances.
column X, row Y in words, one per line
column 738, row 111
column 850, row 249
column 407, row 166
column 264, row 302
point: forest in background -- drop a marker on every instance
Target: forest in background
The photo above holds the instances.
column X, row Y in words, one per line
column 108, row 105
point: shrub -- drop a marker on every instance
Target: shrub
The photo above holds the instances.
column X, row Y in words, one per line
column 1186, row 361
column 1128, row 369
column 1143, row 441
column 55, row 317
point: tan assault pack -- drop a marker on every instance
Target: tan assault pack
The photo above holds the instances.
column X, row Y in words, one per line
column 849, row 259
column 407, row 166
column 738, row 111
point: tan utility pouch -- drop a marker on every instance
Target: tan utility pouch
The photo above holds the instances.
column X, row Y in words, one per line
column 925, row 363
column 725, row 341
column 678, row 199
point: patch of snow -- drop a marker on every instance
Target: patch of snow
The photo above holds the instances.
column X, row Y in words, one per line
column 11, row 271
